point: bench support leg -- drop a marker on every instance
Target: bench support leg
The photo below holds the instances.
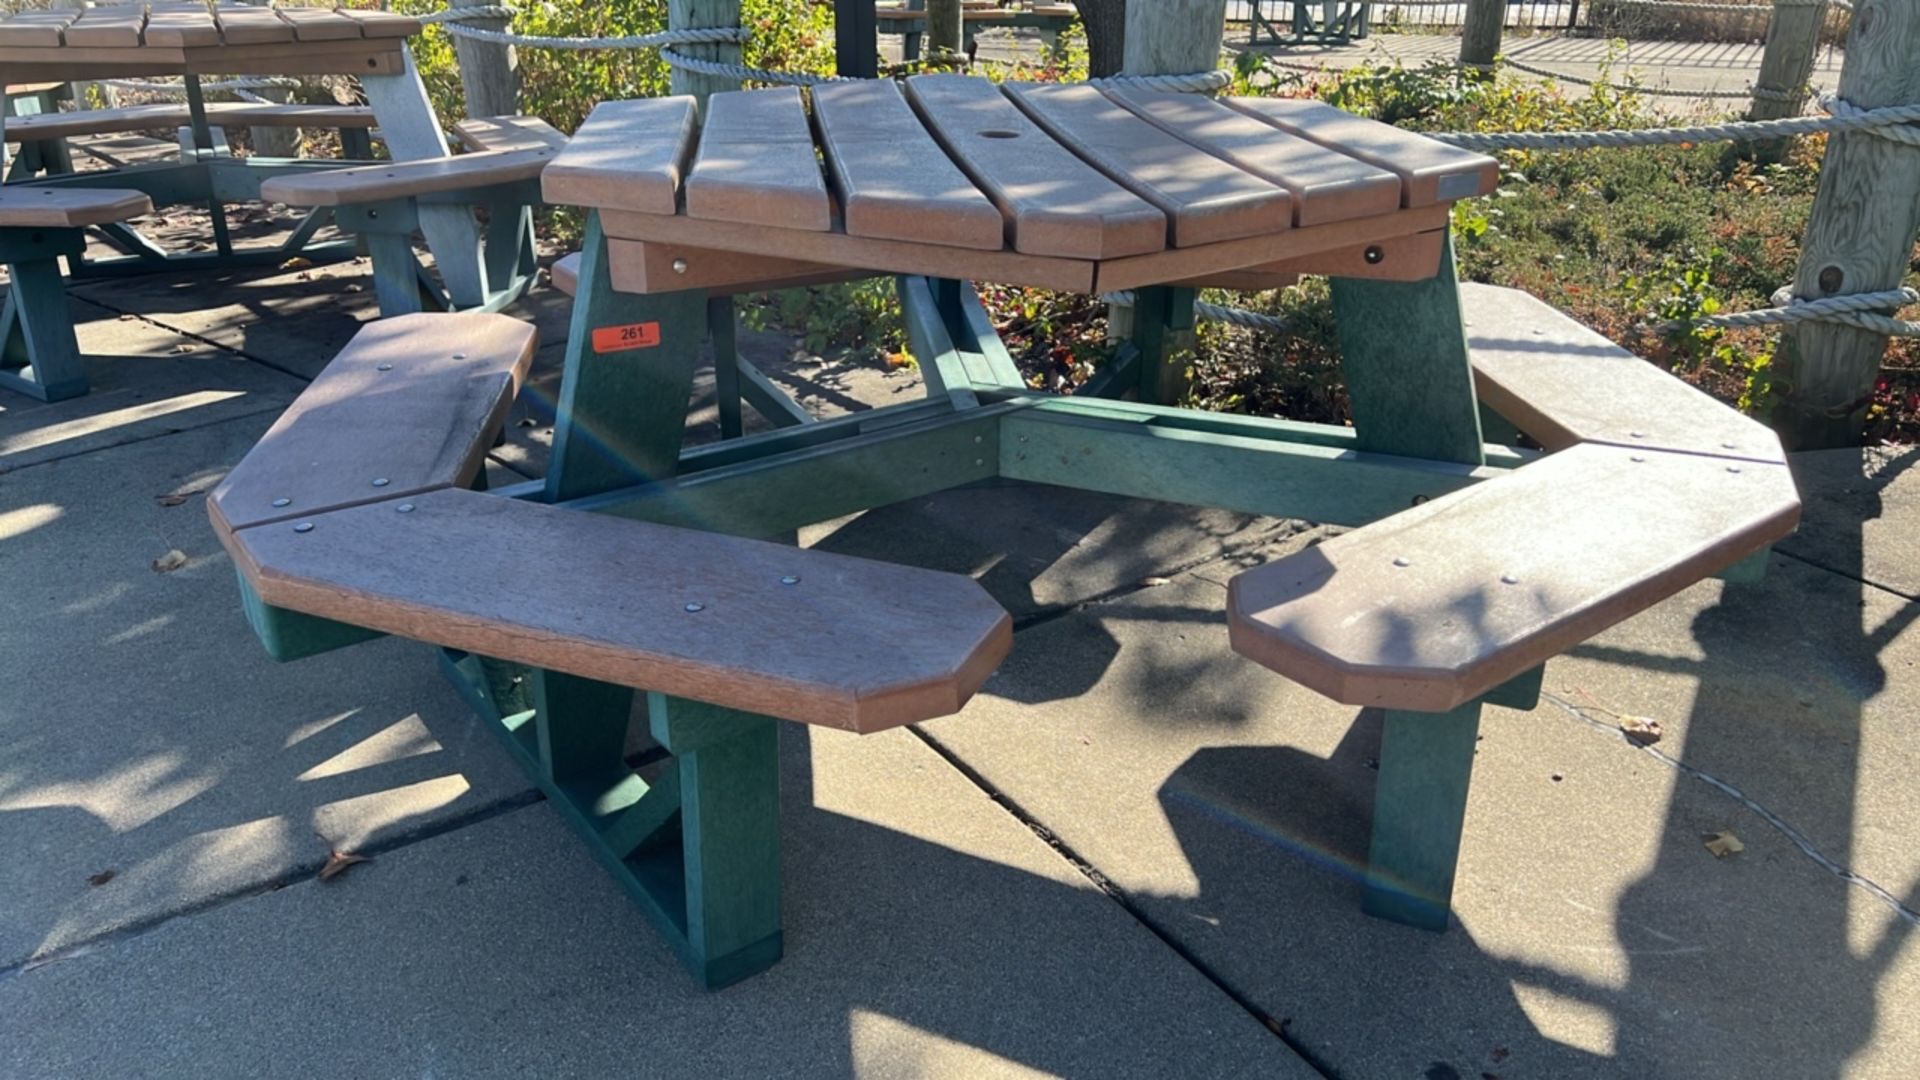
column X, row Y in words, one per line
column 729, row 780
column 722, row 331
column 1426, row 761
column 41, row 355
column 1163, row 334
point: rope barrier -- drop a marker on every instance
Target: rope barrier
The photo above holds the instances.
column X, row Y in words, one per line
column 1888, row 122
column 1862, row 310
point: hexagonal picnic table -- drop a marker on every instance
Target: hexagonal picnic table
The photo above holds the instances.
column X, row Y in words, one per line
column 1469, row 573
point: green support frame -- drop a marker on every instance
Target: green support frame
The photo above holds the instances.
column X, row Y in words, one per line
column 39, row 355
column 697, row 846
column 403, row 286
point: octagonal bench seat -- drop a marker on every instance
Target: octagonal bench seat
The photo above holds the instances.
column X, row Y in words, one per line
column 384, row 203
column 41, row 356
column 507, row 133
column 353, row 511
column 1426, row 614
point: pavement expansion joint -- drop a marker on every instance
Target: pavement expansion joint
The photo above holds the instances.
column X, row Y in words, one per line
column 1798, row 838
column 1119, row 896
column 1850, row 576
column 293, row 876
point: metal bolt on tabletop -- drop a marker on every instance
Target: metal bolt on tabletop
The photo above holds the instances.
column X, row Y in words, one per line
column 283, row 501
column 303, row 527
column 696, row 607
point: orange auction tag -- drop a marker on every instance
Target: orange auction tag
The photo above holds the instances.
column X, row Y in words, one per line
column 640, row 335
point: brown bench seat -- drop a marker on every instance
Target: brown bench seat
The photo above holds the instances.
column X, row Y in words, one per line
column 26, row 206
column 406, row 179
column 1460, row 601
column 507, row 133
column 67, row 125
column 1562, row 383
column 1438, row 605
column 408, row 407
column 365, row 475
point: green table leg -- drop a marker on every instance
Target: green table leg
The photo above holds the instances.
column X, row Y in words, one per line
column 724, row 333
column 1163, row 335
column 627, row 379
column 1404, row 353
column 1426, row 762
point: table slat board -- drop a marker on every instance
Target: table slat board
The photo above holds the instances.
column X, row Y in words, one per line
column 1206, row 200
column 627, row 155
column 1326, row 185
column 756, row 164
column 1057, row 186
column 1430, row 171
column 893, row 181
column 36, row 29
column 1054, row 203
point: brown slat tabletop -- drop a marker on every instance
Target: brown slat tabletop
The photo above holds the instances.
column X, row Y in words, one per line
column 176, row 37
column 1051, row 185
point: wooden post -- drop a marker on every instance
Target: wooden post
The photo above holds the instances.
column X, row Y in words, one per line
column 1793, row 38
column 944, row 27
column 275, row 141
column 489, row 73
column 1480, row 35
column 691, row 14
column 1174, row 37
column 1859, row 238
column 1166, row 37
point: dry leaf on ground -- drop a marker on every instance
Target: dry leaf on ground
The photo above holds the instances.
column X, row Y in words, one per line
column 1724, row 843
column 174, row 498
column 172, row 560
column 337, row 863
column 337, row 860
column 101, row 878
column 1641, row 729
column 1154, row 582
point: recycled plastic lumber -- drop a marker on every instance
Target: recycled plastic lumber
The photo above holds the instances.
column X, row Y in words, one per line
column 847, row 643
column 507, row 133
column 1430, row 171
column 406, row 179
column 409, row 406
column 161, row 38
column 892, row 180
column 66, row 125
column 1094, row 191
column 1561, row 383
column 1438, row 605
column 627, row 155
column 666, row 268
column 26, row 206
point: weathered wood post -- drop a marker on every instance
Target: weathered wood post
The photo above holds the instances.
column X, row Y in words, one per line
column 702, row 14
column 945, row 27
column 1480, row 33
column 275, row 141
column 1793, row 39
column 489, row 73
column 1167, row 37
column 1859, row 238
